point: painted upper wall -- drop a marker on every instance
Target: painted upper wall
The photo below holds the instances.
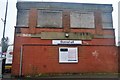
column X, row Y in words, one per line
column 50, row 13
column 63, row 5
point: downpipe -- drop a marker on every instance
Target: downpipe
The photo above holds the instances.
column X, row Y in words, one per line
column 21, row 57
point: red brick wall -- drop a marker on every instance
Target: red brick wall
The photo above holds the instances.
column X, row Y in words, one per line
column 119, row 59
column 44, row 59
column 39, row 58
column 42, row 56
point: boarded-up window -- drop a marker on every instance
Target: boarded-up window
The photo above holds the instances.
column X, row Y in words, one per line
column 82, row 20
column 107, row 20
column 22, row 18
column 49, row 19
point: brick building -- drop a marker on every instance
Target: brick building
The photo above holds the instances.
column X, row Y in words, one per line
column 119, row 23
column 56, row 37
column 119, row 36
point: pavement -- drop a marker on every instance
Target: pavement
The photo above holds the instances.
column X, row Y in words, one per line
column 7, row 76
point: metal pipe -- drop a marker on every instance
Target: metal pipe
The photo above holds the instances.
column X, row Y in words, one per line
column 21, row 57
column 5, row 20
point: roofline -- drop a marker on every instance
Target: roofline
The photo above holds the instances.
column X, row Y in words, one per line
column 63, row 2
column 64, row 5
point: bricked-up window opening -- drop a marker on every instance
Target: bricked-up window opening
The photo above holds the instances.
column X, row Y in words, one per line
column 107, row 20
column 22, row 18
column 49, row 19
column 82, row 20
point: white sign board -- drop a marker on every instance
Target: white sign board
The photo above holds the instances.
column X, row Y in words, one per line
column 68, row 55
column 66, row 42
column 9, row 56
